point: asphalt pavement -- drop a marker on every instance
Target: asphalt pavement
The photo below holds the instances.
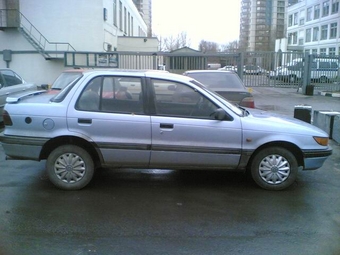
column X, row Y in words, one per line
column 150, row 212
column 284, row 100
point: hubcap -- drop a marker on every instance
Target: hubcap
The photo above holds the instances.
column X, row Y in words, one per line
column 274, row 169
column 70, row 168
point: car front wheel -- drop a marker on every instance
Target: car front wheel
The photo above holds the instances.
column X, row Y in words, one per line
column 70, row 167
column 274, row 168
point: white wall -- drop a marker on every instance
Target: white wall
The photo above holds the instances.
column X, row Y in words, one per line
column 79, row 23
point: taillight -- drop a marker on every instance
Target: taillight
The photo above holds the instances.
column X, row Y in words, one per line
column 248, row 102
column 7, row 119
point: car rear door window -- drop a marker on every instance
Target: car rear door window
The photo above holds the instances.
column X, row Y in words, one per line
column 112, row 94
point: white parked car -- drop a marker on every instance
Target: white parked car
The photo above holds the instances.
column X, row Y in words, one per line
column 146, row 119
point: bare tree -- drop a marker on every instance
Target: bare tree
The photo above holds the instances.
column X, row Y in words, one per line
column 231, row 47
column 208, row 47
column 172, row 43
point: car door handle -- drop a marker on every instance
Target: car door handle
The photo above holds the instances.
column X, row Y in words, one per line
column 85, row 121
column 166, row 126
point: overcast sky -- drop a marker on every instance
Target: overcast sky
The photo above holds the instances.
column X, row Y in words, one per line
column 213, row 20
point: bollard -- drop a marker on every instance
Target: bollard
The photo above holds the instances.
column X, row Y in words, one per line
column 303, row 112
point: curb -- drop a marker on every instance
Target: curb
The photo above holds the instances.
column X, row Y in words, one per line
column 329, row 94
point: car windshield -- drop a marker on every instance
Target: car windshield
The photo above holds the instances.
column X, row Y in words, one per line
column 218, row 80
column 64, row 79
column 234, row 108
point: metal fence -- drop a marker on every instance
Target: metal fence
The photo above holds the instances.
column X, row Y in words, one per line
column 276, row 69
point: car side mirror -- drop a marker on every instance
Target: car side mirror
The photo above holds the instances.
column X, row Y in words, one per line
column 219, row 114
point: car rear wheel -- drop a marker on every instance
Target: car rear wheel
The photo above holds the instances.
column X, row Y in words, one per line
column 274, row 168
column 70, row 167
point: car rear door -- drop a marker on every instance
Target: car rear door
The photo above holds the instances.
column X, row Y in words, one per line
column 117, row 125
column 185, row 135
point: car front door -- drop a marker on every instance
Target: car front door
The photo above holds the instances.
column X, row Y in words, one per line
column 113, row 120
column 184, row 133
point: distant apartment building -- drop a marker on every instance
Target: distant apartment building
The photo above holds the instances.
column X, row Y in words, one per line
column 314, row 27
column 145, row 9
column 261, row 23
column 37, row 33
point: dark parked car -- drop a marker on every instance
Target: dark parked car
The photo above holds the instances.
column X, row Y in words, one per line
column 225, row 83
column 11, row 84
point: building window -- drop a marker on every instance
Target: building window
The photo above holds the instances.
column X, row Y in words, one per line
column 308, row 35
column 125, row 21
column 129, row 24
column 315, row 51
column 295, row 18
column 315, row 34
column 335, row 6
column 309, row 14
column 290, row 20
column 317, row 11
column 333, row 30
column 325, row 8
column 324, row 32
column 114, row 12
column 331, row 51
column 292, row 39
column 323, row 51
column 120, row 16
column 302, row 21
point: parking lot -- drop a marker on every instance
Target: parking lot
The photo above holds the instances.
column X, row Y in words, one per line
column 131, row 211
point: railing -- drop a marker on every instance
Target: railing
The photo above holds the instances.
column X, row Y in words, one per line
column 41, row 40
column 15, row 19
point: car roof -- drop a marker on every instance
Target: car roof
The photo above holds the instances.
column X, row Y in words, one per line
column 209, row 71
column 147, row 73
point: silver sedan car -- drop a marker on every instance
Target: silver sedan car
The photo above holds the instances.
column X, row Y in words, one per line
column 148, row 119
column 10, row 84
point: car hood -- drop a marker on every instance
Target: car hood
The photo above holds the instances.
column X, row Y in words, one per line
column 274, row 122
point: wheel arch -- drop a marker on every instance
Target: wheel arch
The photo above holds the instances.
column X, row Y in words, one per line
column 72, row 140
column 295, row 150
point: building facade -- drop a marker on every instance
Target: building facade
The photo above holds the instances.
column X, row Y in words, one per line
column 37, row 33
column 314, row 27
column 261, row 23
column 145, row 9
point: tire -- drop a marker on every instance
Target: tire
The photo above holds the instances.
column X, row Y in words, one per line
column 274, row 168
column 70, row 167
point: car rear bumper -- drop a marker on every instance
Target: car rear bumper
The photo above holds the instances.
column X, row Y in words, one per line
column 315, row 159
column 18, row 147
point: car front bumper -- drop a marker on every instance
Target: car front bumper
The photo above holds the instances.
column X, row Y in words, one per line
column 315, row 159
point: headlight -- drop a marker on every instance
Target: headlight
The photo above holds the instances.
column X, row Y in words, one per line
column 321, row 140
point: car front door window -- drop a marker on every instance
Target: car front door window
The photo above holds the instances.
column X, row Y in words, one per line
column 179, row 100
